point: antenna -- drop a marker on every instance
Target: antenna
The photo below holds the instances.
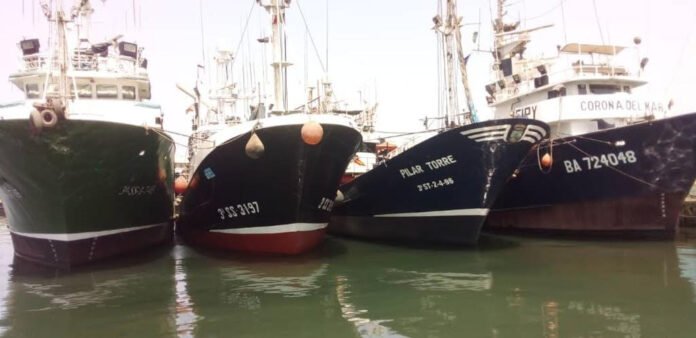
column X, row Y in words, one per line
column 327, row 36
column 200, row 12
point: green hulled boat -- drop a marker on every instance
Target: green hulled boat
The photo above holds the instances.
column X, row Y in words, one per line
column 86, row 170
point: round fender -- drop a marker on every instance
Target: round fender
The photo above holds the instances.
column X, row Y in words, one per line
column 49, row 118
column 35, row 119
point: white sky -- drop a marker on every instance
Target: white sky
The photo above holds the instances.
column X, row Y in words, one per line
column 382, row 47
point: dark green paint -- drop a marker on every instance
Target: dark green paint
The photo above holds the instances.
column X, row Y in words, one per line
column 70, row 178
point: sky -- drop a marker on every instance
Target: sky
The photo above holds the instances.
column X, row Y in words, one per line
column 382, row 50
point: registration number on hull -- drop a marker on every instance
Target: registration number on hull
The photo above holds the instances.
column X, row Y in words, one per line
column 600, row 161
column 242, row 209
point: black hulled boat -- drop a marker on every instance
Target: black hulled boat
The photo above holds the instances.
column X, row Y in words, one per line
column 265, row 182
column 440, row 189
column 86, row 171
column 615, row 164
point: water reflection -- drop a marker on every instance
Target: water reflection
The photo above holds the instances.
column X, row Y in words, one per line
column 535, row 288
column 439, row 281
column 365, row 326
column 185, row 317
column 125, row 297
column 522, row 287
column 5, row 261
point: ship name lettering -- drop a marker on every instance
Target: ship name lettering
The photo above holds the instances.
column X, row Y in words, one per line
column 628, row 105
column 431, row 165
column 408, row 172
column 137, row 190
column 441, row 162
column 525, row 111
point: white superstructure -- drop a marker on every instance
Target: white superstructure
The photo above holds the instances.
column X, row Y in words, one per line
column 74, row 78
column 585, row 88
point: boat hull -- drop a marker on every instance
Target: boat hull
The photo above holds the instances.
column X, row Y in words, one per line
column 84, row 191
column 439, row 190
column 276, row 204
column 628, row 181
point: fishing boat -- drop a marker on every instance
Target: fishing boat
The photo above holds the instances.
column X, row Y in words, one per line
column 439, row 187
column 265, row 181
column 614, row 164
column 87, row 170
column 370, row 151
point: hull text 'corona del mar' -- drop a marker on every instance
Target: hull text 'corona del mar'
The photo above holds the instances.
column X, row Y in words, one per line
column 614, row 164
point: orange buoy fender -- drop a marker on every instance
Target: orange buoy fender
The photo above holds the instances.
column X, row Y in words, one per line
column 546, row 160
column 180, row 185
column 312, row 133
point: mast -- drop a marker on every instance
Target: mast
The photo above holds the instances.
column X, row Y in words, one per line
column 464, row 74
column 276, row 8
column 450, row 32
column 62, row 54
column 452, row 101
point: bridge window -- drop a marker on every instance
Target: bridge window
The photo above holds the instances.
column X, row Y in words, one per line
column 582, row 89
column 604, row 89
column 144, row 92
column 32, row 90
column 84, row 90
column 105, row 91
column 556, row 93
column 128, row 92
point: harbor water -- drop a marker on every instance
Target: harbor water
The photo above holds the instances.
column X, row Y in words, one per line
column 504, row 287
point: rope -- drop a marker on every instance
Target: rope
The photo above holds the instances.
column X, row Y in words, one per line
column 559, row 4
column 410, row 133
column 246, row 25
column 311, row 39
column 599, row 26
column 594, row 140
column 162, row 131
column 550, row 153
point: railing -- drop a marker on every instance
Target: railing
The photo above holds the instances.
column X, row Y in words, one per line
column 560, row 75
column 83, row 62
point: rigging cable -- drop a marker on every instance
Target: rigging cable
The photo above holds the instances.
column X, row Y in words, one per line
column 565, row 33
column 311, row 39
column 559, row 4
column 599, row 26
column 617, row 169
column 681, row 54
column 246, row 25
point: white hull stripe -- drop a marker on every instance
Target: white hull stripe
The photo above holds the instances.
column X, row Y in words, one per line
column 534, row 133
column 439, row 213
column 273, row 229
column 490, row 138
column 484, row 129
column 485, row 134
column 529, row 139
column 492, row 133
column 538, row 129
column 85, row 235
